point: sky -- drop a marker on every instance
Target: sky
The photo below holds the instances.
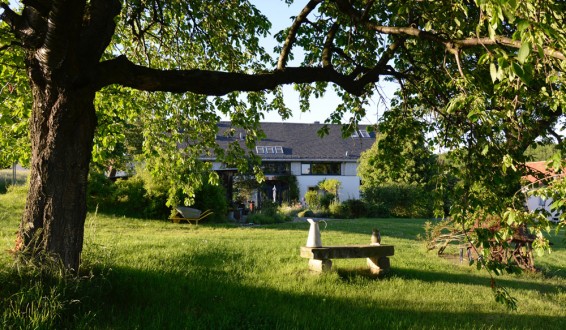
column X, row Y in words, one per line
column 279, row 14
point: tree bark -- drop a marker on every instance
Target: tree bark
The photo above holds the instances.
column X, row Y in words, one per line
column 62, row 129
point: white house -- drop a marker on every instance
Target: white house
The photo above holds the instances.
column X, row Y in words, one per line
column 296, row 149
column 540, row 176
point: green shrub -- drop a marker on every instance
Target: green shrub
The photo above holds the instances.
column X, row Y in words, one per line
column 324, row 200
column 290, row 210
column 260, row 219
column 128, row 197
column 267, row 215
column 306, row 214
column 354, row 208
column 311, row 197
column 399, row 200
column 336, row 210
column 210, row 197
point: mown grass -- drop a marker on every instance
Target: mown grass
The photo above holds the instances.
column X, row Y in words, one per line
column 157, row 275
column 6, row 178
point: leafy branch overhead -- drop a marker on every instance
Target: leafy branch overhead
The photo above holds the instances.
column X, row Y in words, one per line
column 86, row 80
column 339, row 29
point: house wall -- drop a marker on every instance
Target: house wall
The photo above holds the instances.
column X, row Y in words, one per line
column 350, row 181
column 350, row 188
column 537, row 203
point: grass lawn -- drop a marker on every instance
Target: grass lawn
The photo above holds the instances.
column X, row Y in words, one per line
column 6, row 178
column 158, row 275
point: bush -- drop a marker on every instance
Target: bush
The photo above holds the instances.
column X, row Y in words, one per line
column 267, row 215
column 335, row 209
column 260, row 219
column 311, row 197
column 210, row 197
column 290, row 210
column 354, row 208
column 399, row 200
column 127, row 197
column 306, row 214
column 325, row 199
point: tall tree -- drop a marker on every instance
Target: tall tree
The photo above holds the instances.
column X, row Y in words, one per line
column 489, row 72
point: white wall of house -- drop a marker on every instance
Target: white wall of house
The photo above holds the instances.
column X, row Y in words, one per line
column 350, row 185
column 349, row 169
column 537, row 203
column 350, row 181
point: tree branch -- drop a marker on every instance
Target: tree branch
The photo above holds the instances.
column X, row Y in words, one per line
column 293, row 32
column 452, row 45
column 101, row 27
column 328, row 45
column 10, row 17
column 381, row 66
column 122, row 71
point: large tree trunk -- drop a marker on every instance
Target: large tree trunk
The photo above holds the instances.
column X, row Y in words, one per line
column 62, row 130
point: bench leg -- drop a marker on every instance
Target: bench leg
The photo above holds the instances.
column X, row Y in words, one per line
column 378, row 266
column 320, row 265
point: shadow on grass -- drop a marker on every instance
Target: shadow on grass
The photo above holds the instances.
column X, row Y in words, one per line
column 209, row 296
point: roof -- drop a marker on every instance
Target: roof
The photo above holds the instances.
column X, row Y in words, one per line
column 299, row 141
column 539, row 171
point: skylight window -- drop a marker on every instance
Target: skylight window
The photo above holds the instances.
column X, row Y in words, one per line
column 364, row 133
column 269, row 150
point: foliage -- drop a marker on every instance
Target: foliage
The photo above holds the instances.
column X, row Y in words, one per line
column 483, row 79
column 306, row 214
column 336, row 210
column 331, row 186
column 311, row 197
column 268, row 214
column 212, row 197
column 244, row 188
column 540, row 152
column 136, row 196
column 292, row 182
column 354, row 208
column 399, row 200
column 15, row 104
column 401, row 156
column 290, row 210
column 325, row 199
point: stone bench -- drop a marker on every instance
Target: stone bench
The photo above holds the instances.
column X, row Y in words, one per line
column 321, row 257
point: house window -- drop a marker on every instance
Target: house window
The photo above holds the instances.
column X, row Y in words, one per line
column 306, row 168
column 364, row 133
column 276, row 167
column 317, row 168
column 269, row 149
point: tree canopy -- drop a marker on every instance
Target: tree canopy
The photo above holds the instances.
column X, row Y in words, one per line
column 487, row 78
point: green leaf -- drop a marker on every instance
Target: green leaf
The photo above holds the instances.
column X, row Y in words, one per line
column 518, row 70
column 524, row 52
column 493, row 71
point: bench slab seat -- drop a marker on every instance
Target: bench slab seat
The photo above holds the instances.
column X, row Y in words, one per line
column 320, row 257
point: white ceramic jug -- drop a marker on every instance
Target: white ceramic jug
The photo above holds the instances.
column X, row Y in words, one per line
column 314, row 239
